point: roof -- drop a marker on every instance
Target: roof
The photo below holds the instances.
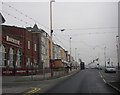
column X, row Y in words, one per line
column 2, row 20
column 34, row 29
column 13, row 27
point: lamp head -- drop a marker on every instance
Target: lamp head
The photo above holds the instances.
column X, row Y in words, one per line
column 52, row 0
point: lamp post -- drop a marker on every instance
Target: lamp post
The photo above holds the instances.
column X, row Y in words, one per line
column 70, row 49
column 75, row 54
column 70, row 54
column 70, row 38
column 78, row 57
column 117, row 49
column 105, row 55
column 51, row 31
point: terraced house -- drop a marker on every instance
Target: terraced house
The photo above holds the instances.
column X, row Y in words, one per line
column 26, row 51
column 45, row 49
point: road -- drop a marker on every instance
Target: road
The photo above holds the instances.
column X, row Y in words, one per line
column 12, row 85
column 86, row 81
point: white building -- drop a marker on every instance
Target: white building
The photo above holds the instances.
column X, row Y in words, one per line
column 45, row 49
column 56, row 51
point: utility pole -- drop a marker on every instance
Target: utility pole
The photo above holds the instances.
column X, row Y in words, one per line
column 105, row 55
column 69, row 43
column 70, row 55
column 117, row 50
column 51, row 31
column 75, row 54
column 78, row 57
column 70, row 49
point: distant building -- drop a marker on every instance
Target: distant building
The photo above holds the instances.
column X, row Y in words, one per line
column 56, row 51
column 19, row 51
column 36, row 31
column 68, row 58
column 66, row 53
column 63, row 57
column 45, row 49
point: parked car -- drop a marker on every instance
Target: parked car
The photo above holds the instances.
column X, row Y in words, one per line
column 99, row 68
column 110, row 69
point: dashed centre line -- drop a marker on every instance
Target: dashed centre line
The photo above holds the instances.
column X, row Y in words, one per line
column 32, row 91
column 104, row 81
column 102, row 78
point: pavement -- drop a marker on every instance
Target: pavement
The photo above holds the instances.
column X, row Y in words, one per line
column 43, row 84
column 38, row 77
column 112, row 79
column 25, row 84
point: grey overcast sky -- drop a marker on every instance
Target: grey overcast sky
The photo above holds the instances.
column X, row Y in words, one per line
column 92, row 25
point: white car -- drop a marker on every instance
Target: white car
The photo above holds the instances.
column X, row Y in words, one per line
column 110, row 69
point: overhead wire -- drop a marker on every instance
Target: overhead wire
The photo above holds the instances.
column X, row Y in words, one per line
column 59, row 41
column 87, row 28
column 17, row 18
column 25, row 15
column 90, row 33
column 62, row 29
column 61, row 37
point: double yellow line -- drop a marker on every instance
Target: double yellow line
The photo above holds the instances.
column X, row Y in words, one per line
column 32, row 91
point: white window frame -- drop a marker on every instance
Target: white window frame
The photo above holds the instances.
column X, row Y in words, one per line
column 2, row 56
column 11, row 58
column 35, row 47
column 28, row 44
column 18, row 58
column 35, row 63
column 28, row 61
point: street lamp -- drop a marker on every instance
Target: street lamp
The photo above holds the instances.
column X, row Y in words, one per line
column 70, row 52
column 51, row 31
column 75, row 54
column 70, row 38
column 117, row 49
column 78, row 57
column 105, row 54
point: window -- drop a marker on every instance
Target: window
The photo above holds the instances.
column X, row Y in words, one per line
column 11, row 57
column 46, row 42
column 28, row 44
column 2, row 56
column 35, row 47
column 28, row 62
column 35, row 63
column 43, row 49
column 18, row 61
column 46, row 52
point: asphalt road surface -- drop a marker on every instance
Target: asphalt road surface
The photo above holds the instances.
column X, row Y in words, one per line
column 85, row 81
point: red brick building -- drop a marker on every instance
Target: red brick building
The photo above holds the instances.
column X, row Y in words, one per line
column 19, row 51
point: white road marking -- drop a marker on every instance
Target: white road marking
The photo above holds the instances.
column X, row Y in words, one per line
column 104, row 81
column 109, row 83
column 102, row 77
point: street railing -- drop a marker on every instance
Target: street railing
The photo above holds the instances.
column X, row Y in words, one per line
column 41, row 75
